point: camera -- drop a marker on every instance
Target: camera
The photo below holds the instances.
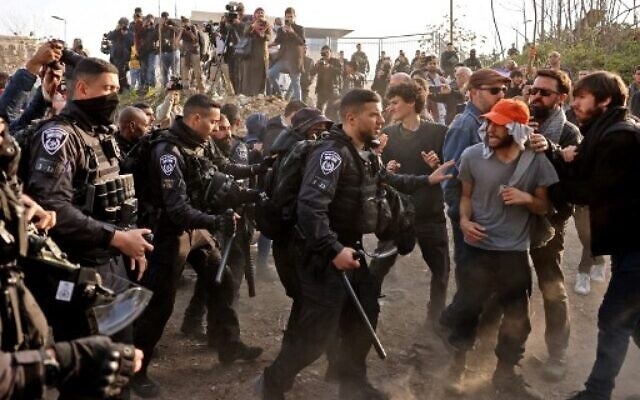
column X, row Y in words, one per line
column 233, row 10
column 105, row 45
column 174, row 83
column 434, row 89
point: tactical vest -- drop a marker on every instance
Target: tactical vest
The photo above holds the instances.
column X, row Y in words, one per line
column 199, row 168
column 360, row 205
column 101, row 191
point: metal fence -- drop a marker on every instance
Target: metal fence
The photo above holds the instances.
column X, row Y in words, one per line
column 391, row 45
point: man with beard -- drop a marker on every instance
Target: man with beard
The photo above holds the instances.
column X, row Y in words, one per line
column 132, row 125
column 486, row 87
column 547, row 95
column 503, row 184
column 326, row 236
column 604, row 176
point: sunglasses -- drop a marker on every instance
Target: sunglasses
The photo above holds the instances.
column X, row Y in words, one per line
column 542, row 92
column 495, row 90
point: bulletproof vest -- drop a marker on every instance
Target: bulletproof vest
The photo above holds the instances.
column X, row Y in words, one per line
column 360, row 205
column 198, row 167
column 101, row 191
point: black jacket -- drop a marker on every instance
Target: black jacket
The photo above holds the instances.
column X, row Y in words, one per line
column 291, row 47
column 60, row 165
column 330, row 201
column 605, row 177
column 329, row 79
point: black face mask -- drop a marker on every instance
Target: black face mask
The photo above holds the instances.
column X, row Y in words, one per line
column 100, row 110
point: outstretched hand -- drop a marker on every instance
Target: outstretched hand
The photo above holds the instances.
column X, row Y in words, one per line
column 440, row 175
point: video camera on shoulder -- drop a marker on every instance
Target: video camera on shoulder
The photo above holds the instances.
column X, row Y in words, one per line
column 233, row 10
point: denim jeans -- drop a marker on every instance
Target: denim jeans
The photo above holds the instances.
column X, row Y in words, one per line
column 618, row 317
column 134, row 77
column 150, row 70
column 283, row 66
column 167, row 62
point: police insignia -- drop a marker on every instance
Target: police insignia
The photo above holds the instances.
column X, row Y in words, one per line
column 329, row 161
column 168, row 163
column 53, row 138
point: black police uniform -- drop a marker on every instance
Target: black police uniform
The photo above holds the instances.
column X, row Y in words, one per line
column 337, row 204
column 75, row 173
column 234, row 157
column 183, row 233
column 124, row 145
column 25, row 368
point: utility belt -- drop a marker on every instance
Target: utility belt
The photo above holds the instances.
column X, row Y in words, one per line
column 112, row 201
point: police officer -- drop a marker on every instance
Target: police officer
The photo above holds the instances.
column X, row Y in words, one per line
column 235, row 151
column 337, row 203
column 133, row 123
column 74, row 172
column 93, row 366
column 183, row 230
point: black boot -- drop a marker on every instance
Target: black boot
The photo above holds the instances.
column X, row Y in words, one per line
column 143, row 386
column 360, row 389
column 238, row 351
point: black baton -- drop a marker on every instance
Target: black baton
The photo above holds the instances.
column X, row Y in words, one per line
column 356, row 302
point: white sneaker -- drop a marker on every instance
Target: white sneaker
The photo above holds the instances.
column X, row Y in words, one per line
column 583, row 284
column 598, row 273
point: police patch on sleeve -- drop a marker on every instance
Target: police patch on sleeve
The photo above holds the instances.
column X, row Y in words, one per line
column 168, row 163
column 329, row 161
column 53, row 139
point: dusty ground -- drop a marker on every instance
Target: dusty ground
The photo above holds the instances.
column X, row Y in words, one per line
column 416, row 363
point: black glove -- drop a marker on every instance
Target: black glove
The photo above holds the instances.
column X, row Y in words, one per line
column 225, row 223
column 94, row 366
column 264, row 165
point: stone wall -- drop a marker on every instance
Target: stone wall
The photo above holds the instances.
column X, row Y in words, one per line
column 15, row 51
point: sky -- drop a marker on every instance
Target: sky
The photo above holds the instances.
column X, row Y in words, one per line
column 89, row 19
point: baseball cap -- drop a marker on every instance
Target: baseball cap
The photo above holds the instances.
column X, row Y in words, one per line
column 508, row 110
column 256, row 126
column 486, row 76
column 306, row 118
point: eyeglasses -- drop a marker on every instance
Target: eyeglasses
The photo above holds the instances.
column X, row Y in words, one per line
column 543, row 92
column 495, row 90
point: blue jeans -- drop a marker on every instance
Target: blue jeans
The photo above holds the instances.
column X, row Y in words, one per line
column 149, row 70
column 167, row 62
column 283, row 66
column 618, row 317
column 135, row 77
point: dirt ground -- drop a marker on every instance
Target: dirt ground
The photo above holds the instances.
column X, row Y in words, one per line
column 416, row 362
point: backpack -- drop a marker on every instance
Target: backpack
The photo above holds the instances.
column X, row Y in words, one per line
column 136, row 162
column 277, row 216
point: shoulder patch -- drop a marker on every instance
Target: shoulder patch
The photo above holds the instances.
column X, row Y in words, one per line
column 242, row 154
column 329, row 161
column 53, row 139
column 168, row 163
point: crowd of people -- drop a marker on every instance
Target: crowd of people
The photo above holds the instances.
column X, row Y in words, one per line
column 507, row 156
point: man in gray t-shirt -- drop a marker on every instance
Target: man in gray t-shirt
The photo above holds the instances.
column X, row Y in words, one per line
column 495, row 219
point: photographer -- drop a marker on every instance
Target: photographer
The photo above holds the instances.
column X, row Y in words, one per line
column 168, row 39
column 121, row 40
column 290, row 57
column 189, row 40
column 148, row 52
column 254, row 71
column 454, row 95
column 329, row 82
column 231, row 29
column 170, row 108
